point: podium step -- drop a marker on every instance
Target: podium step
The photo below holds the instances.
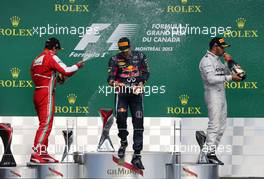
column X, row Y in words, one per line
column 18, row 172
column 56, row 170
column 106, row 165
column 191, row 171
column 109, row 166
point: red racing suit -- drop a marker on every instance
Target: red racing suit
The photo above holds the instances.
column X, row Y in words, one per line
column 43, row 74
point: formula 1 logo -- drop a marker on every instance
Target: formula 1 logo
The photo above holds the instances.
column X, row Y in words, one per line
column 93, row 36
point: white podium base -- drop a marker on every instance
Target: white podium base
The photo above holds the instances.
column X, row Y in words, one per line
column 56, row 170
column 192, row 171
column 108, row 166
column 18, row 172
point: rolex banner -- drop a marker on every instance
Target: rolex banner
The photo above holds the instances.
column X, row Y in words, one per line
column 173, row 34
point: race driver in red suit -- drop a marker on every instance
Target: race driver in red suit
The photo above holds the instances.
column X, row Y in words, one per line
column 44, row 73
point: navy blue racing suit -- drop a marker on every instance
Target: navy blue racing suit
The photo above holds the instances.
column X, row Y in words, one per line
column 130, row 71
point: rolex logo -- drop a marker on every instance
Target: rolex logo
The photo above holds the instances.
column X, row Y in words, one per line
column 241, row 23
column 72, row 109
column 15, row 72
column 183, row 7
column 184, row 1
column 71, row 98
column 184, row 99
column 241, row 31
column 15, row 21
column 184, row 110
column 71, row 7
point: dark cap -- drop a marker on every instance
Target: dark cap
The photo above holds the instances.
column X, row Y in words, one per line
column 219, row 42
column 123, row 44
column 53, row 42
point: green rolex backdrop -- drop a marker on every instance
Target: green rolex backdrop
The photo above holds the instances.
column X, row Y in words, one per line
column 174, row 35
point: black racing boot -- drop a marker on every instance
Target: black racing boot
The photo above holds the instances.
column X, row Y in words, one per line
column 122, row 150
column 136, row 162
column 212, row 158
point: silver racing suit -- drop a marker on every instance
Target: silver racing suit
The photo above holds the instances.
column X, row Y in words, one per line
column 214, row 73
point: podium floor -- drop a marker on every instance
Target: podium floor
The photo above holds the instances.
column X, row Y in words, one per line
column 106, row 165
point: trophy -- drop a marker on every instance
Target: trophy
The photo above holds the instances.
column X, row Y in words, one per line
column 201, row 138
column 6, row 132
column 105, row 143
column 68, row 137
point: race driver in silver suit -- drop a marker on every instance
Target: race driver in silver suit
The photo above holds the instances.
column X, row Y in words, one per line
column 214, row 74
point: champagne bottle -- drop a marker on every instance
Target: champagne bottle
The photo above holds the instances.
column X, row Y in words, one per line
column 235, row 68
